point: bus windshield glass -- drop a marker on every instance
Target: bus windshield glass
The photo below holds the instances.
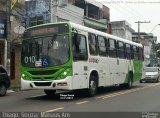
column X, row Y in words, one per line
column 45, row 51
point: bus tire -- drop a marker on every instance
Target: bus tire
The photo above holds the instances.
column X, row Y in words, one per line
column 127, row 85
column 130, row 81
column 50, row 93
column 92, row 90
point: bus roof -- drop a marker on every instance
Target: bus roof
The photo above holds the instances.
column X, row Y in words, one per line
column 87, row 29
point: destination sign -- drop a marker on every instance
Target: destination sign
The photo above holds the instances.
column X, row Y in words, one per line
column 47, row 30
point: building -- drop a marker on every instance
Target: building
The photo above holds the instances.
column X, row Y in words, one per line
column 10, row 55
column 3, row 34
column 146, row 40
column 84, row 12
column 122, row 29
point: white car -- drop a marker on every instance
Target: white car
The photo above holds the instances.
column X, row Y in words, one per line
column 150, row 74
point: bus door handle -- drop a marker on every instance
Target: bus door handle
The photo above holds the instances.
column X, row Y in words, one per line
column 85, row 73
column 75, row 73
column 117, row 73
column 111, row 73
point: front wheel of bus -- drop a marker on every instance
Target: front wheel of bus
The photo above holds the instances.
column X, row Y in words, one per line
column 50, row 93
column 92, row 86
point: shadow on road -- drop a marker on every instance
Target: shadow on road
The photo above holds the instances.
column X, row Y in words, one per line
column 78, row 95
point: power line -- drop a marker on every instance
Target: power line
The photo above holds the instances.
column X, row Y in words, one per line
column 140, row 22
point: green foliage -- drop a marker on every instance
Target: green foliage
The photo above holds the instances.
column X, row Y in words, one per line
column 155, row 46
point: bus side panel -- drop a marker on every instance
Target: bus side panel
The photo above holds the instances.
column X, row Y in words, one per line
column 80, row 75
column 113, row 67
column 123, row 70
column 103, row 67
column 138, row 68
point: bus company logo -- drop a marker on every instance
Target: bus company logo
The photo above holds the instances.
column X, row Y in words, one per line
column 93, row 60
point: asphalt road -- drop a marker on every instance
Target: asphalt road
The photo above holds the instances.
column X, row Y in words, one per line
column 141, row 98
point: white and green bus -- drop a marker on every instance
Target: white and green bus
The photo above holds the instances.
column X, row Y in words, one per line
column 68, row 56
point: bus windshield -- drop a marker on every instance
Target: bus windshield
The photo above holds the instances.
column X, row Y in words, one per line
column 45, row 51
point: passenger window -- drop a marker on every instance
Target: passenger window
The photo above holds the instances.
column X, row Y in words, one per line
column 80, row 48
column 121, row 52
column 128, row 51
column 112, row 48
column 140, row 54
column 135, row 52
column 102, row 46
column 92, row 44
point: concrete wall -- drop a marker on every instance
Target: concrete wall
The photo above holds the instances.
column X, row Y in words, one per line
column 71, row 13
column 122, row 29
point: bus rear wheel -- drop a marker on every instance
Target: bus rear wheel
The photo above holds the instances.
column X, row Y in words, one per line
column 50, row 93
column 92, row 90
column 129, row 84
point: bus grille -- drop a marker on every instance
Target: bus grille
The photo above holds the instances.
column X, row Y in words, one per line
column 42, row 83
column 44, row 72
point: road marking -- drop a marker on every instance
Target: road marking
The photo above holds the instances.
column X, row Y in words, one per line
column 83, row 102
column 37, row 96
column 126, row 92
column 56, row 109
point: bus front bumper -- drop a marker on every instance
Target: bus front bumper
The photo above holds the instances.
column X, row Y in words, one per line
column 64, row 84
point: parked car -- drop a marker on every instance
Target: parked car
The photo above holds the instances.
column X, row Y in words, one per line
column 150, row 74
column 4, row 81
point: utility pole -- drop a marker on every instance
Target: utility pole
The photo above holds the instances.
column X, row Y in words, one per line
column 8, row 11
column 139, row 22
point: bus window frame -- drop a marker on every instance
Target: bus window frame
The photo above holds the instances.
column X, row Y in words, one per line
column 128, row 54
column 101, row 46
column 86, row 48
column 120, row 50
column 95, row 45
column 115, row 48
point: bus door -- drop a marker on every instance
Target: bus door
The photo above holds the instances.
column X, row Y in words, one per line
column 80, row 61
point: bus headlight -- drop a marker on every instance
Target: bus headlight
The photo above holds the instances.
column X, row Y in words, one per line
column 23, row 75
column 65, row 73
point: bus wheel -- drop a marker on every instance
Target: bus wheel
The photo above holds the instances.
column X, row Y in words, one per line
column 92, row 86
column 130, row 82
column 128, row 85
column 50, row 93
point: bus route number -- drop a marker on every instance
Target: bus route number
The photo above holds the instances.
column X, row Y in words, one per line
column 31, row 59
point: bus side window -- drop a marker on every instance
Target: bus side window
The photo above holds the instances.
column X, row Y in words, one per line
column 80, row 48
column 128, row 51
column 92, row 44
column 135, row 54
column 102, row 46
column 121, row 52
column 107, row 46
column 112, row 48
column 140, row 54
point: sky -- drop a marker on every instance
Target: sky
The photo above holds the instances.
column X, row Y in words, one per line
column 136, row 10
